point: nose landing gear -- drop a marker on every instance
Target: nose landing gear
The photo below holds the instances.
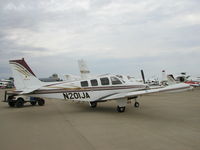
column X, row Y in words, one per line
column 137, row 104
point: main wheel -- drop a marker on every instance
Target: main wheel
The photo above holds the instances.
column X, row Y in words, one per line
column 93, row 104
column 137, row 104
column 41, row 102
column 33, row 103
column 121, row 109
column 19, row 103
column 11, row 103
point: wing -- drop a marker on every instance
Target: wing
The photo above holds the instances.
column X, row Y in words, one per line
column 172, row 88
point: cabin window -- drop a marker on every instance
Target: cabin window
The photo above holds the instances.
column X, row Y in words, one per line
column 94, row 82
column 84, row 83
column 115, row 81
column 104, row 81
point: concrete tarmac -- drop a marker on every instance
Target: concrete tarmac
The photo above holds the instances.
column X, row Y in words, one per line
column 163, row 122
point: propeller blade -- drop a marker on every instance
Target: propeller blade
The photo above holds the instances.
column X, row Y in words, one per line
column 143, row 78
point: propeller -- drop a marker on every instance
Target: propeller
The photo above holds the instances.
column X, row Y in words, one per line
column 143, row 78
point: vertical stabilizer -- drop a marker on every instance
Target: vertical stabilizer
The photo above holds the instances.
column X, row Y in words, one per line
column 24, row 78
column 164, row 76
column 164, row 79
column 170, row 79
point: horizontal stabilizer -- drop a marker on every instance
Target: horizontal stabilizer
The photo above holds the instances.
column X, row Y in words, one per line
column 27, row 91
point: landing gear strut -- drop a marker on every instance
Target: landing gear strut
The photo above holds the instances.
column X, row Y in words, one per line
column 121, row 105
column 136, row 104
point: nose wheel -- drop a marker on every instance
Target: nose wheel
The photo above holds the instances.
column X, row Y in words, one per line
column 137, row 104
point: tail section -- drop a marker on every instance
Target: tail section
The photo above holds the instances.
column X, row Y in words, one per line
column 83, row 69
column 24, row 78
column 164, row 76
column 170, row 79
column 164, row 80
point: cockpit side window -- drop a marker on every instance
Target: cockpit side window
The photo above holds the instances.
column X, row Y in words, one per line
column 104, row 81
column 94, row 82
column 115, row 81
column 84, row 83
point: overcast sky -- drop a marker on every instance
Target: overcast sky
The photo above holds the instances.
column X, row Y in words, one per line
column 112, row 36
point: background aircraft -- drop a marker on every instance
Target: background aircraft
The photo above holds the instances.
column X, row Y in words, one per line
column 6, row 83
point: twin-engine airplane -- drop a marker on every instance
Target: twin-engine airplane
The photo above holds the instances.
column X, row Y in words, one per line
column 93, row 90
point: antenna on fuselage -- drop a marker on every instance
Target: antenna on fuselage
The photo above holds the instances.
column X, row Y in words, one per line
column 143, row 78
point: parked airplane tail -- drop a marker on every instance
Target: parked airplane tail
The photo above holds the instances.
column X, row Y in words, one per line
column 170, row 79
column 24, row 78
column 83, row 69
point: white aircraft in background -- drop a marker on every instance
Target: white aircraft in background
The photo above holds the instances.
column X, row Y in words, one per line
column 6, row 83
column 3, row 84
column 193, row 81
column 84, row 72
column 184, row 78
column 93, row 90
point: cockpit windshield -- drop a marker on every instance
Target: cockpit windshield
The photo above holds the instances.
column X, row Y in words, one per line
column 115, row 81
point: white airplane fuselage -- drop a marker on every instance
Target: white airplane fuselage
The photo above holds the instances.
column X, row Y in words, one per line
column 75, row 91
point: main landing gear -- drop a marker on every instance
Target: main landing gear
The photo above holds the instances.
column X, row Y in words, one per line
column 121, row 109
column 121, row 105
column 93, row 104
column 123, row 102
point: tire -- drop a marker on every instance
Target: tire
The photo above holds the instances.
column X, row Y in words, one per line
column 121, row 109
column 41, row 102
column 137, row 104
column 33, row 103
column 93, row 104
column 11, row 103
column 19, row 103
